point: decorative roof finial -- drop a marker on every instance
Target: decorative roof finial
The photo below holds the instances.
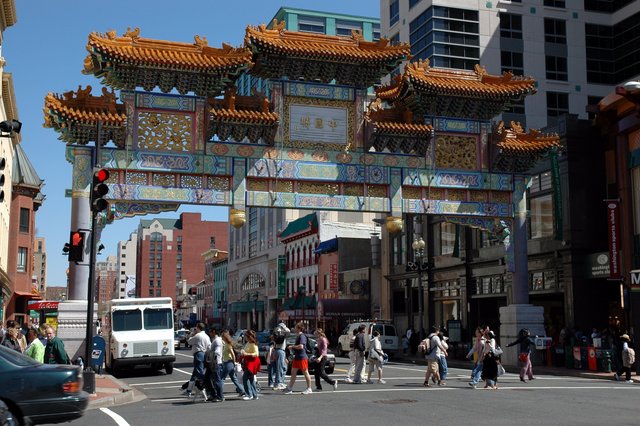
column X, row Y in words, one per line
column 134, row 34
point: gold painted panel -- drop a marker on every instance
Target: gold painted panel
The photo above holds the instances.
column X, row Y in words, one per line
column 284, row 186
column 435, row 194
column 456, row 152
column 136, row 178
column 501, row 197
column 377, row 191
column 164, row 180
column 218, row 183
column 411, row 193
column 188, row 181
column 257, row 185
column 164, row 132
column 353, row 189
column 318, row 188
column 456, row 194
column 478, row 196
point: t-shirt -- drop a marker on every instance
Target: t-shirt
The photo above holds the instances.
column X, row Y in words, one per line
column 435, row 344
column 299, row 354
column 35, row 350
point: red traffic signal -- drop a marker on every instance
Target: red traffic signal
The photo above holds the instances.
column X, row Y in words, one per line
column 98, row 190
column 76, row 246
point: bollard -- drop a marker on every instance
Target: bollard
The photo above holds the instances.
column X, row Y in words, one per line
column 606, row 361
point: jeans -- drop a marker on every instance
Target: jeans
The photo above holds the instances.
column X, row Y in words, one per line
column 249, row 384
column 214, row 382
column 271, row 372
column 229, row 369
column 444, row 368
column 198, row 366
column 281, row 367
column 320, row 373
column 476, row 373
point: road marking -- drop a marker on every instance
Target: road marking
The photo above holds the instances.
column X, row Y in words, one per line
column 120, row 421
column 182, row 371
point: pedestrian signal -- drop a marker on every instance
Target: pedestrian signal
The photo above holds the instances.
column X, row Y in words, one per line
column 76, row 246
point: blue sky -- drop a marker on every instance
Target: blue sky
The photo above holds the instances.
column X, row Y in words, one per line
column 45, row 51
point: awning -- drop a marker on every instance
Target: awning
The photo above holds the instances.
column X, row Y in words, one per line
column 43, row 304
column 247, row 306
column 26, row 294
column 327, row 246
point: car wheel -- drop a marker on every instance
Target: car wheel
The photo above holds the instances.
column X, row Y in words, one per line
column 114, row 368
column 168, row 367
column 7, row 418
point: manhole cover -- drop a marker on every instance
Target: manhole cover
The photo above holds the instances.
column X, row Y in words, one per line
column 395, row 401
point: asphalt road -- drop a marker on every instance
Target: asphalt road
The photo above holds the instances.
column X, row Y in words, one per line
column 401, row 401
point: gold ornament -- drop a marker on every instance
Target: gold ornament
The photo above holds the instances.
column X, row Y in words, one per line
column 394, row 224
column 237, row 218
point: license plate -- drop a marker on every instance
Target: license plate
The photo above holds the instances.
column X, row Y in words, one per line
column 389, row 341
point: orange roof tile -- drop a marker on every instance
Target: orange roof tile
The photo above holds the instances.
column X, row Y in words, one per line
column 324, row 47
column 399, row 121
column 134, row 50
column 82, row 107
column 515, row 141
column 413, row 129
column 438, row 81
column 245, row 109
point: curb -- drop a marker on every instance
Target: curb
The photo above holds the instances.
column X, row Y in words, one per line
column 122, row 394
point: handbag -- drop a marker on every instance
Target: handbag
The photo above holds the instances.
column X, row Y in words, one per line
column 497, row 351
column 501, row 370
column 238, row 367
column 523, row 356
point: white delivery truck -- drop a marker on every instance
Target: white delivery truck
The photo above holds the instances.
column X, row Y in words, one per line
column 140, row 332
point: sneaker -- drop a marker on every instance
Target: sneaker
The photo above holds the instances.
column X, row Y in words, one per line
column 369, row 382
column 442, row 383
column 382, row 382
column 287, row 391
column 335, row 385
column 246, row 398
column 255, row 398
column 473, row 385
column 628, row 381
column 616, row 377
column 531, row 378
column 348, row 380
column 318, row 389
column 307, row 391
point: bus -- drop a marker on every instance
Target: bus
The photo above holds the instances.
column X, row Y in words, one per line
column 139, row 332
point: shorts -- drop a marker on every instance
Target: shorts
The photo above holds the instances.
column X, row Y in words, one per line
column 300, row 364
column 432, row 366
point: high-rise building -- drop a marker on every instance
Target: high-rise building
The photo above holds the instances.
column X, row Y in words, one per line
column 254, row 248
column 39, row 276
column 170, row 251
column 106, row 284
column 127, row 267
column 575, row 50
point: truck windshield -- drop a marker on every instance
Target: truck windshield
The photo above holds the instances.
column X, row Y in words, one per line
column 127, row 320
column 158, row 319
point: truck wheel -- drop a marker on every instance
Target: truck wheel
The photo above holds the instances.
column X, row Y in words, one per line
column 114, row 368
column 168, row 367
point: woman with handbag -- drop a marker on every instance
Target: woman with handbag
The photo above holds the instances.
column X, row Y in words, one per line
column 524, row 356
column 251, row 365
column 376, row 357
column 490, row 362
column 229, row 362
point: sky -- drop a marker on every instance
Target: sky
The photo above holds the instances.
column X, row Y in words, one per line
column 45, row 51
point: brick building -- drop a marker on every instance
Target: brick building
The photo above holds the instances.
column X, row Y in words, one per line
column 170, row 250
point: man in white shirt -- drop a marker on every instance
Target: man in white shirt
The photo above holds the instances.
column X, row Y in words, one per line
column 213, row 376
column 199, row 342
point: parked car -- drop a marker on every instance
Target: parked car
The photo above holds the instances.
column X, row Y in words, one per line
column 37, row 393
column 176, row 340
column 331, row 358
column 183, row 338
column 388, row 336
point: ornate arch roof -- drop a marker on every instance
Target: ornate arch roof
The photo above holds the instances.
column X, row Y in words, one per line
column 132, row 61
column 517, row 151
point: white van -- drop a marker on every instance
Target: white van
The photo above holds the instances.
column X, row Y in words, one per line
column 140, row 332
column 388, row 336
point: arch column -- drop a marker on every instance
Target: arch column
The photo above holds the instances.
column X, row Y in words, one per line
column 81, row 159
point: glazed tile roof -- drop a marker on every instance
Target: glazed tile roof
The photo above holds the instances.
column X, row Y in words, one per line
column 514, row 141
column 279, row 53
column 323, row 47
column 135, row 50
column 243, row 109
column 306, row 223
column 476, row 84
column 82, row 106
column 395, row 120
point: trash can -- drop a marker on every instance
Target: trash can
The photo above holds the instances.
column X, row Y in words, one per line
column 591, row 358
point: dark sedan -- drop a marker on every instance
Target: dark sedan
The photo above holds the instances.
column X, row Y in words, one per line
column 40, row 393
column 331, row 358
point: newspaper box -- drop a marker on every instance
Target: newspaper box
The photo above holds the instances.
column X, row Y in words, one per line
column 543, row 342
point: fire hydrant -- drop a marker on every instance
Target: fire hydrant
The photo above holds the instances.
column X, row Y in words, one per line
column 606, row 361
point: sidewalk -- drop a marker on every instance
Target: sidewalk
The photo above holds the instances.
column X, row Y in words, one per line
column 537, row 369
column 111, row 391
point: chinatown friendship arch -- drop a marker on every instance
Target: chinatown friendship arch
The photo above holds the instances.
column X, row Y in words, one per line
column 425, row 144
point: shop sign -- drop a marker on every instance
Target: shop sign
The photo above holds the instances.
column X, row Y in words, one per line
column 333, row 276
column 635, row 279
column 597, row 265
column 613, row 230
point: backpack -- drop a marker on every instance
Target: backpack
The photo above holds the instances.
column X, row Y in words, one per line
column 425, row 346
column 631, row 356
column 308, row 348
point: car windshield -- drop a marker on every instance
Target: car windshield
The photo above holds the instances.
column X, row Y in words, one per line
column 12, row 357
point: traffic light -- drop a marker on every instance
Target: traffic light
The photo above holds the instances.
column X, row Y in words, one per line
column 65, row 249
column 3, row 163
column 76, row 246
column 98, row 190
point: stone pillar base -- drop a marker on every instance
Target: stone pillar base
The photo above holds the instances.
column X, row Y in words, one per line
column 513, row 318
column 72, row 326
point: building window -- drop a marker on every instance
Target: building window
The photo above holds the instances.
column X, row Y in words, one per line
column 151, row 274
column 311, row 24
column 376, row 37
column 152, row 256
column 179, row 265
column 22, row 259
column 151, row 283
column 156, row 236
column 159, row 247
column 554, row 3
column 555, row 31
column 557, row 104
column 158, row 265
column 179, row 239
column 445, row 237
column 179, row 248
column 394, row 12
column 344, row 28
column 413, row 3
column 510, row 26
column 541, row 216
column 556, row 68
column 512, row 61
column 158, row 283
column 150, row 292
column 158, row 292
column 24, row 220
column 178, row 275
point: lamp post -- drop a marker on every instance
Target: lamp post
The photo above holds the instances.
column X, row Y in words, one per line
column 418, row 246
column 302, row 292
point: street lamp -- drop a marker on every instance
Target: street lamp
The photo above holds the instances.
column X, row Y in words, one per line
column 420, row 265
